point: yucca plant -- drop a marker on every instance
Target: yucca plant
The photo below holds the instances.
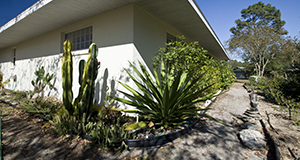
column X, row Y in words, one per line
column 168, row 99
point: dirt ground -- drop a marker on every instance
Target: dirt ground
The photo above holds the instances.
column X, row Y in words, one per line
column 284, row 132
column 25, row 137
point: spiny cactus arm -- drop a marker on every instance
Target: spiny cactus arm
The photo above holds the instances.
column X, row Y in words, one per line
column 81, row 70
column 67, row 75
column 84, row 81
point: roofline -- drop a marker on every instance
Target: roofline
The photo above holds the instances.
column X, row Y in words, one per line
column 219, row 51
column 36, row 6
column 201, row 15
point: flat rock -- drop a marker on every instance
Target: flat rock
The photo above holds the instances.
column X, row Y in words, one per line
column 250, row 126
column 252, row 139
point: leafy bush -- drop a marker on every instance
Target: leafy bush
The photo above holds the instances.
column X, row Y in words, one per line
column 262, row 83
column 227, row 75
column 189, row 56
column 282, row 91
column 167, row 100
column 291, row 87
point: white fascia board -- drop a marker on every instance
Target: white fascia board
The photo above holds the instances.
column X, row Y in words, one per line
column 39, row 4
column 196, row 8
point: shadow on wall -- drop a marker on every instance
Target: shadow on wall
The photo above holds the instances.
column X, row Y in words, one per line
column 102, row 91
column 108, row 86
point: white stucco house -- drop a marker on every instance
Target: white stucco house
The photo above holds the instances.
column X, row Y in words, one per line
column 124, row 30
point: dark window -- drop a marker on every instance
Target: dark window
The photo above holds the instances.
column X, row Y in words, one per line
column 81, row 39
column 14, row 56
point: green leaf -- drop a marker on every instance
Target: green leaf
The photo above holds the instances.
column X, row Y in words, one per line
column 133, row 126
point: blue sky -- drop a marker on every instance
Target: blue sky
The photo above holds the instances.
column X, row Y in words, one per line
column 221, row 14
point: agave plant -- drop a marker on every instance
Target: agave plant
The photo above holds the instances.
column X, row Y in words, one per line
column 168, row 99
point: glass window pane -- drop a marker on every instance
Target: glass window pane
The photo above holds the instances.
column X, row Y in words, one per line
column 81, row 39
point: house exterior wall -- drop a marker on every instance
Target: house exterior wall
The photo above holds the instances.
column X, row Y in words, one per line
column 126, row 34
column 150, row 34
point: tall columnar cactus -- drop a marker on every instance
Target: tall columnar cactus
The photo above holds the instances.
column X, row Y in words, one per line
column 67, row 76
column 84, row 101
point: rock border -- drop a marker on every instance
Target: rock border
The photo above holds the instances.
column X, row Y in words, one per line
column 254, row 104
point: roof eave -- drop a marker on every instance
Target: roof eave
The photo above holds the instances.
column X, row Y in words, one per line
column 45, row 16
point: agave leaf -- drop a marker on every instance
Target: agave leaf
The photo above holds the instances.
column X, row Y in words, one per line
column 133, row 126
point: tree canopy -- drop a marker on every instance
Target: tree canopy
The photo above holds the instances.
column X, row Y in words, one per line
column 259, row 15
column 258, row 35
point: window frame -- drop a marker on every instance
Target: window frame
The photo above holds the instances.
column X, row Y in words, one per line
column 81, row 38
column 170, row 38
column 14, row 56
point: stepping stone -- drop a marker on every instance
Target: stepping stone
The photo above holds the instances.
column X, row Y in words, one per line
column 250, row 126
column 252, row 139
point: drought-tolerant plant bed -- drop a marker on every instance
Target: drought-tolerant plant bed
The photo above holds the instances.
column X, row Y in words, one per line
column 164, row 102
column 39, row 109
column 28, row 139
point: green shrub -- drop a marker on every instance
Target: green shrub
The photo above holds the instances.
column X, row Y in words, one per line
column 262, row 83
column 189, row 56
column 227, row 75
column 282, row 91
column 291, row 87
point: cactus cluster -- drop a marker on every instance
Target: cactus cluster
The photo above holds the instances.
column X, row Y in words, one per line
column 88, row 72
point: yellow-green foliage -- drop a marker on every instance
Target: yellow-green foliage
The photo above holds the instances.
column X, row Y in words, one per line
column 1, row 79
column 190, row 56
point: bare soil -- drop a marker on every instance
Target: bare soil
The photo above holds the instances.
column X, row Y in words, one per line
column 284, row 132
column 26, row 137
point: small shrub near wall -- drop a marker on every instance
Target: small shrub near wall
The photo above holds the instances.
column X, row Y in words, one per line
column 190, row 56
